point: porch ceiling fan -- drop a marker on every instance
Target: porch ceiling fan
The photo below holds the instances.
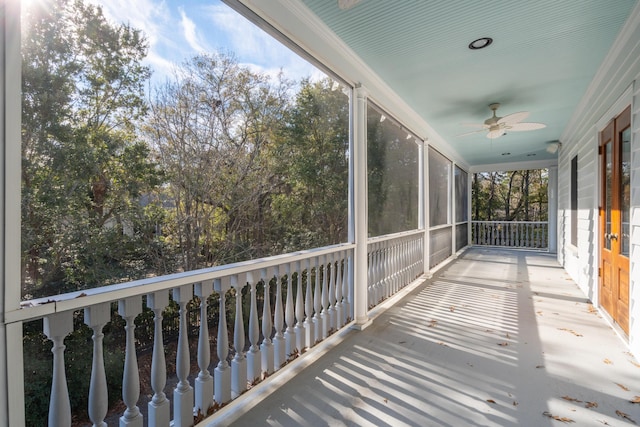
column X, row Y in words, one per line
column 497, row 126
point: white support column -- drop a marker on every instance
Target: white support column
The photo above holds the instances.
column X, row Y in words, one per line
column 204, row 381
column 426, row 252
column 422, row 190
column 552, row 195
column 360, row 215
column 454, row 202
column 469, row 207
column 12, row 407
column 129, row 308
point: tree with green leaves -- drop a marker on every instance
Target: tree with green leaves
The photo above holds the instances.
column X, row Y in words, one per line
column 312, row 159
column 519, row 195
column 84, row 168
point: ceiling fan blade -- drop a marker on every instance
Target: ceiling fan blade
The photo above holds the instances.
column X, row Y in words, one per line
column 514, row 118
column 496, row 133
column 474, row 125
column 472, row 132
column 519, row 127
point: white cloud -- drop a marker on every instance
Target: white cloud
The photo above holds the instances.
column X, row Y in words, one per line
column 176, row 30
column 190, row 33
column 256, row 49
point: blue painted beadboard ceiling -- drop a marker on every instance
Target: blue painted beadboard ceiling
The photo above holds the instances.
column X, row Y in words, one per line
column 543, row 57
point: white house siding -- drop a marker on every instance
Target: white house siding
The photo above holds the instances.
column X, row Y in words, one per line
column 615, row 86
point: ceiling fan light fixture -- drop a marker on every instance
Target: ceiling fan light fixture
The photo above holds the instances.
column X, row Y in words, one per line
column 480, row 43
column 497, row 133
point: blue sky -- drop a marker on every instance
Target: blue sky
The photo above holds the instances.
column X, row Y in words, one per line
column 177, row 30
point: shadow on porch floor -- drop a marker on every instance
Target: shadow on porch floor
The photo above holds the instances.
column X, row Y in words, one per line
column 496, row 338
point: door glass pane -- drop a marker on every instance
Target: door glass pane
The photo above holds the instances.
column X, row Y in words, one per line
column 608, row 161
column 625, row 189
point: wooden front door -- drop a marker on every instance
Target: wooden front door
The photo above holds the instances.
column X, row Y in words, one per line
column 615, row 157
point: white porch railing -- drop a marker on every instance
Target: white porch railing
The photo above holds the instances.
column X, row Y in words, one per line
column 394, row 261
column 295, row 301
column 512, row 234
column 307, row 296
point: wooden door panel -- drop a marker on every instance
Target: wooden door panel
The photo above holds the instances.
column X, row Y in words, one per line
column 606, row 291
column 622, row 304
column 614, row 210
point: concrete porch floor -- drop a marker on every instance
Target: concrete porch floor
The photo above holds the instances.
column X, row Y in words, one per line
column 496, row 338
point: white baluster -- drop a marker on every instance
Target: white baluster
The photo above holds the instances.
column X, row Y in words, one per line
column 129, row 308
column 346, row 293
column 317, row 304
column 279, row 348
column 253, row 356
column 204, row 381
column 309, row 331
column 266, row 348
column 183, row 392
column 222, row 373
column 299, row 328
column 339, row 286
column 56, row 327
column 289, row 317
column 324, row 314
column 159, row 404
column 332, row 292
column 239, row 362
column 370, row 287
column 96, row 317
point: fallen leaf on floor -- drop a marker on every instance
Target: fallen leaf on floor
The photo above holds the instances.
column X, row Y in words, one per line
column 571, row 399
column 622, row 387
column 557, row 418
column 636, row 364
column 636, row 399
column 515, row 403
column 442, row 344
column 386, row 401
column 508, row 336
column 590, row 405
column 571, row 331
column 539, row 366
column 591, row 309
column 492, row 401
column 625, row 416
column 608, row 362
column 539, row 313
column 401, row 342
column 503, row 344
column 432, row 323
column 452, row 308
column 604, row 422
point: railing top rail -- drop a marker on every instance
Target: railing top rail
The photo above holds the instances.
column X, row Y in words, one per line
column 401, row 234
column 37, row 308
column 510, row 222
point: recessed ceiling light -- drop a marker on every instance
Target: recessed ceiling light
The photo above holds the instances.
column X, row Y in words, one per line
column 480, row 43
column 506, row 154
